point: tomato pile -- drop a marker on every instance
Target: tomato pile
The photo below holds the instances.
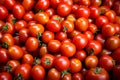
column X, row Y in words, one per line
column 59, row 40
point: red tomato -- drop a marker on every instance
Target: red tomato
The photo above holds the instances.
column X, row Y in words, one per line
column 82, row 11
column 4, row 57
column 94, row 11
column 75, row 65
column 89, row 35
column 32, row 44
column 3, row 12
column 116, row 6
column 28, row 16
column 9, row 4
column 106, row 62
column 63, row 9
column 73, row 33
column 27, row 58
column 54, row 45
column 11, row 19
column 43, row 50
column 97, row 74
column 61, row 36
column 66, row 76
column 96, row 2
column 116, row 72
column 28, row 4
column 108, row 3
column 68, row 49
column 47, row 61
column 23, row 71
column 77, row 76
column 94, row 47
column 80, row 41
column 18, row 11
column 50, row 12
column 5, row 76
column 38, row 72
column 15, row 52
column 61, row 63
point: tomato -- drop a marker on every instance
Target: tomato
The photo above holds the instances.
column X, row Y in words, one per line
column 81, row 24
column 82, row 11
column 47, row 36
column 28, row 16
column 101, row 20
column 106, row 62
column 67, row 26
column 57, row 17
column 28, row 4
column 36, row 29
column 20, row 24
column 80, row 41
column 53, row 25
column 84, row 2
column 47, row 61
column 97, row 74
column 4, row 57
column 27, row 58
column 67, row 49
column 54, row 45
column 94, row 47
column 80, row 54
column 23, row 71
column 116, row 6
column 112, row 43
column 12, row 65
column 108, row 3
column 53, row 74
column 15, row 52
column 38, row 72
column 23, row 35
column 42, row 5
column 111, row 15
column 7, row 40
column 54, row 3
column 115, row 55
column 50, row 12
column 71, row 17
column 91, row 61
column 61, row 36
column 11, row 19
column 96, row 2
column 116, row 72
column 43, row 50
column 63, row 9
column 92, row 27
column 5, row 76
column 3, row 12
column 105, row 52
column 104, row 9
column 77, row 76
column 94, row 11
column 2, row 23
column 61, row 63
column 31, row 23
column 75, row 65
column 31, row 44
column 41, row 17
column 8, row 28
column 9, row 4
column 67, row 76
column 18, row 11
column 73, row 33
column 117, row 26
column 89, row 35
column 74, row 8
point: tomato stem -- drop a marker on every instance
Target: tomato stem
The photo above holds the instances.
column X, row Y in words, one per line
column 14, row 20
column 63, row 73
column 97, row 32
column 47, row 61
column 36, row 61
column 98, row 70
column 65, row 29
column 114, row 62
column 8, row 68
column 5, row 28
column 19, row 77
column 91, row 51
column 5, row 45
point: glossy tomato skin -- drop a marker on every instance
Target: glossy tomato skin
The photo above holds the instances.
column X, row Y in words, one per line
column 73, row 33
column 89, row 35
column 31, row 44
column 93, row 75
column 15, row 52
column 47, row 36
column 28, row 4
column 77, row 76
column 50, row 12
column 53, row 25
column 4, row 57
column 92, row 27
column 38, row 72
column 115, row 55
column 43, row 50
column 82, row 11
column 41, row 17
column 116, row 72
column 3, row 12
column 28, row 16
column 61, row 36
column 5, row 76
column 96, row 2
column 91, row 61
column 18, row 11
column 112, row 43
column 11, row 19
column 61, row 63
column 80, row 41
column 54, row 45
column 94, row 47
column 63, row 9
column 106, row 62
column 24, row 71
column 35, row 29
column 9, row 4
column 47, row 61
column 116, row 6
column 108, row 3
column 68, row 49
column 67, row 76
column 53, row 74
column 75, row 65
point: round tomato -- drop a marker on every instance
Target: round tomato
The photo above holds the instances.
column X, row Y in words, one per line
column 9, row 4
column 3, row 12
column 77, row 76
column 116, row 54
column 116, row 72
column 5, row 76
column 27, row 58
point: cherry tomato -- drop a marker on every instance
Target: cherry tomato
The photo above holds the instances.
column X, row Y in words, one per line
column 89, row 35
column 3, row 12
column 43, row 50
column 115, row 55
column 116, row 6
column 67, row 76
column 38, row 72
column 9, row 4
column 60, row 36
column 28, row 16
column 77, row 76
column 116, row 72
column 61, row 63
column 5, row 76
column 50, row 12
